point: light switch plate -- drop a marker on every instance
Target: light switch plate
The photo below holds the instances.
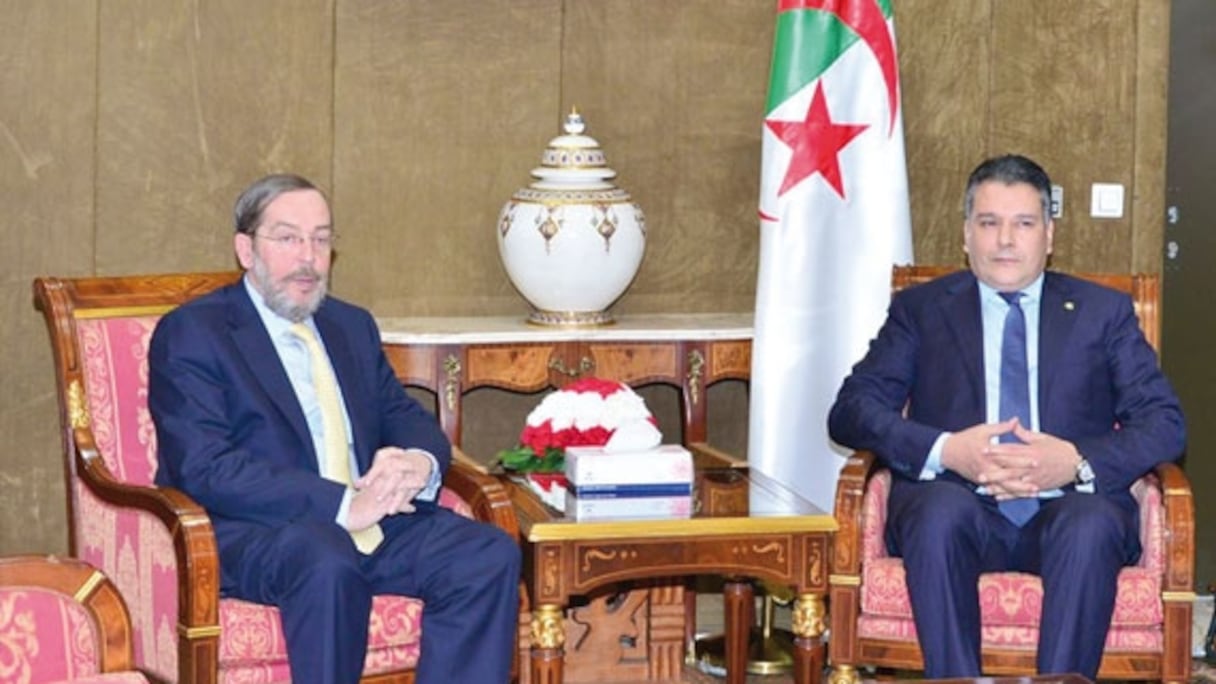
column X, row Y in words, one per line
column 1106, row 200
column 1057, row 201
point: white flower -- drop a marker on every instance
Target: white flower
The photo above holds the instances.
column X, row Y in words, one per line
column 622, row 408
column 585, row 410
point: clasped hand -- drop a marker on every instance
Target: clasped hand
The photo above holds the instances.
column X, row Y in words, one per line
column 1011, row 470
column 397, row 476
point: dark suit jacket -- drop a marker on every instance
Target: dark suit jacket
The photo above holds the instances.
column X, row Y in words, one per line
column 230, row 431
column 1099, row 383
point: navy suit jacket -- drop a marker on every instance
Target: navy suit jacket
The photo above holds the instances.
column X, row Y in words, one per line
column 231, row 433
column 1099, row 382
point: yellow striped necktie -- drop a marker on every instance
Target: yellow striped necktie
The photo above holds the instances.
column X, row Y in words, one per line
column 333, row 427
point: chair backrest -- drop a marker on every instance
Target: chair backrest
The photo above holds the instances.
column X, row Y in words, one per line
column 1144, row 288
column 99, row 330
column 61, row 619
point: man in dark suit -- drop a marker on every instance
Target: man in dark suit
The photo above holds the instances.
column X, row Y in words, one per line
column 982, row 486
column 276, row 409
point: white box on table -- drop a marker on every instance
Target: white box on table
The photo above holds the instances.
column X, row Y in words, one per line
column 663, row 464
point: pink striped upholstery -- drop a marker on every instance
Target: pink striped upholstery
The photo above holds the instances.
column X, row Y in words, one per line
column 56, row 632
column 45, row 636
column 1010, row 602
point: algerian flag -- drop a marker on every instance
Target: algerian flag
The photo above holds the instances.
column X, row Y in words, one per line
column 833, row 220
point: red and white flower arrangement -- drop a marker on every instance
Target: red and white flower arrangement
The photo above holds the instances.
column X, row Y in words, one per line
column 587, row 412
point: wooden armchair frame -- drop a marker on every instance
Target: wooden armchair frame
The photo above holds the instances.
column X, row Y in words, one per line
column 63, row 302
column 848, row 650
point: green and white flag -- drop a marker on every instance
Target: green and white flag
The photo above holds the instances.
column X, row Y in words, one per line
column 833, row 220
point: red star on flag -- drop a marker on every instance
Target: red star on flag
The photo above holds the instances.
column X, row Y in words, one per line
column 815, row 143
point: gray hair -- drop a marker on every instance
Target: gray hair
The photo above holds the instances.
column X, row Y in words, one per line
column 247, row 213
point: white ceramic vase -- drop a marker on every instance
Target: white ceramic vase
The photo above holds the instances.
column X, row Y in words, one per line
column 571, row 241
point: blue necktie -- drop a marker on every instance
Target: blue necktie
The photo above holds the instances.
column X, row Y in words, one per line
column 1015, row 394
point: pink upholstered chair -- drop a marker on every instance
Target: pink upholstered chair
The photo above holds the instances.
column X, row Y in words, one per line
column 61, row 620
column 157, row 544
column 1150, row 636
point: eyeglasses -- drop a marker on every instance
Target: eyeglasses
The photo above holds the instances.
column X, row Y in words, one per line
column 293, row 243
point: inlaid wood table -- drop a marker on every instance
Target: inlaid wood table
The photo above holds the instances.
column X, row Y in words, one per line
column 743, row 525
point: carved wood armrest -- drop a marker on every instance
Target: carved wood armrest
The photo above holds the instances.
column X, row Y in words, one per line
column 1179, row 529
column 850, row 491
column 188, row 524
column 482, row 491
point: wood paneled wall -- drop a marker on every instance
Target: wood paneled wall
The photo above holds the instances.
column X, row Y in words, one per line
column 128, row 127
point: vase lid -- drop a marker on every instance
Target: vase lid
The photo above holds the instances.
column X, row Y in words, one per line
column 573, row 160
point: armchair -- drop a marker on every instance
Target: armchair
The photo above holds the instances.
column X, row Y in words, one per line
column 156, row 543
column 1149, row 638
column 62, row 620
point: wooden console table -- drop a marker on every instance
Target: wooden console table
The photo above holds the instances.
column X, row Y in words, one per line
column 453, row 356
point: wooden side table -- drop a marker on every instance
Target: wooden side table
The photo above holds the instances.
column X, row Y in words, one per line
column 744, row 525
column 690, row 352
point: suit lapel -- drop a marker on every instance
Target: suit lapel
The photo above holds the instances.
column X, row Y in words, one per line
column 1057, row 317
column 961, row 313
column 256, row 349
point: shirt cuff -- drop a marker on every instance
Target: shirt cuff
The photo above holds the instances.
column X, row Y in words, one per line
column 431, row 491
column 344, row 507
column 933, row 462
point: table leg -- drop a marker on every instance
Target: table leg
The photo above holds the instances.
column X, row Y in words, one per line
column 809, row 621
column 548, row 638
column 737, row 612
column 690, row 622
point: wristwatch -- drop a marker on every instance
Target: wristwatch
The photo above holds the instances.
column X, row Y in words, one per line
column 1085, row 473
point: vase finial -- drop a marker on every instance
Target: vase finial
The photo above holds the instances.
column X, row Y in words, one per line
column 574, row 122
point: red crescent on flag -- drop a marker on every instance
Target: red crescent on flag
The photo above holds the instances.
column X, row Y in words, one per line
column 865, row 19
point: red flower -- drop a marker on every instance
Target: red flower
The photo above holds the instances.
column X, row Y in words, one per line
column 584, row 413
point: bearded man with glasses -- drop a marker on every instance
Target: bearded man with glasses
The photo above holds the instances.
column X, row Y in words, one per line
column 276, row 409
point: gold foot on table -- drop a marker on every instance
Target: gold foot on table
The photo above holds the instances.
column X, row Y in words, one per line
column 773, row 655
column 769, row 650
column 843, row 674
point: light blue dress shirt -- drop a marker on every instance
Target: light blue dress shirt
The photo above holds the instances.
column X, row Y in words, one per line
column 993, row 309
column 295, row 358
